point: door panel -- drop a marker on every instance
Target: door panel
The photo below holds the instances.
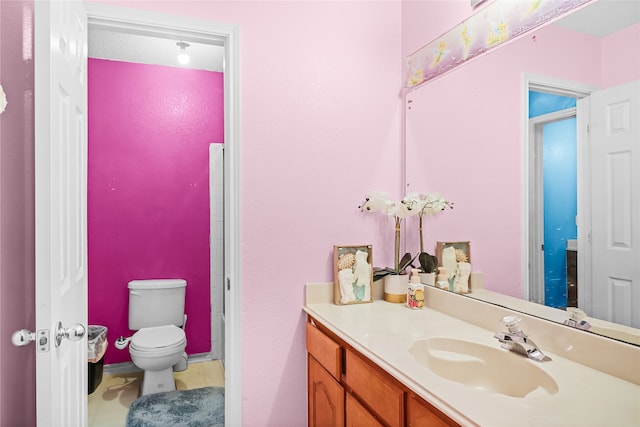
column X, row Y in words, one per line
column 60, row 187
column 615, row 201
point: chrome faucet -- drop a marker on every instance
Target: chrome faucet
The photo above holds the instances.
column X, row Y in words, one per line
column 517, row 341
column 576, row 319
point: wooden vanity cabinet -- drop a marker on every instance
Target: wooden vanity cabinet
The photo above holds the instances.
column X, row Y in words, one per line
column 421, row 413
column 358, row 416
column 324, row 369
column 326, row 397
column 347, row 389
column 375, row 388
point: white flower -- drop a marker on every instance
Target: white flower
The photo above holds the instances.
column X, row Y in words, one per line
column 434, row 203
column 426, row 203
column 3, row 100
column 375, row 201
column 400, row 210
column 413, row 200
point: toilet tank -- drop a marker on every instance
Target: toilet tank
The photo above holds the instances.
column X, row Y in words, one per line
column 156, row 302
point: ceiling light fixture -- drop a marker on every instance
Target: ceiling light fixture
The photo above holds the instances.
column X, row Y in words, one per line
column 183, row 56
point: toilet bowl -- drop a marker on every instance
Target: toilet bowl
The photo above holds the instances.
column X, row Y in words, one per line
column 156, row 350
column 156, row 312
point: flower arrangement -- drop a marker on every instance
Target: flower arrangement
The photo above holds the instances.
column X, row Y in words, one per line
column 429, row 204
column 413, row 204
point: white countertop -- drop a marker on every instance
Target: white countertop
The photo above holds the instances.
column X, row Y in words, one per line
column 384, row 332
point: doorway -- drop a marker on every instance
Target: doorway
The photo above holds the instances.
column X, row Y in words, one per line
column 157, row 25
column 558, row 107
column 149, row 201
column 553, row 178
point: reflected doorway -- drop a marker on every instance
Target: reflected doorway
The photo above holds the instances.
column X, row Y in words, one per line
column 553, row 175
column 553, row 100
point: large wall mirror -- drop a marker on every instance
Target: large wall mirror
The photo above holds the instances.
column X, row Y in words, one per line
column 471, row 136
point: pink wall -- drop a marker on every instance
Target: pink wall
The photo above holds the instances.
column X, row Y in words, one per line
column 320, row 125
column 17, row 262
column 148, row 183
column 621, row 57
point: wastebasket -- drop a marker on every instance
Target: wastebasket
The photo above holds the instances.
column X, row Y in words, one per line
column 97, row 345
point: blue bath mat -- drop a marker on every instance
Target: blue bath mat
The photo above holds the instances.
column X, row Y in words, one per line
column 199, row 407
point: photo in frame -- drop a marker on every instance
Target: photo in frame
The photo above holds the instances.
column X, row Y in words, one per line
column 457, row 264
column 464, row 247
column 353, row 274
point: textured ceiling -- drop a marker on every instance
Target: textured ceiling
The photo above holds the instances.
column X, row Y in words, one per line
column 603, row 17
column 119, row 46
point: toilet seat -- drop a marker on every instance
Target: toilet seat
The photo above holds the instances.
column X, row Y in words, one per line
column 158, row 340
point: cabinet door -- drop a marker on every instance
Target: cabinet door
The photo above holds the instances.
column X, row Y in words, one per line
column 420, row 414
column 375, row 389
column 326, row 397
column 358, row 416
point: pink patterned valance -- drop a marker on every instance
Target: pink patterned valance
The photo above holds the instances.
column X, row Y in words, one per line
column 497, row 23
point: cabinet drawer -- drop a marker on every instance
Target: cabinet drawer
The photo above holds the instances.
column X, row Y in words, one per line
column 420, row 413
column 358, row 416
column 324, row 350
column 375, row 389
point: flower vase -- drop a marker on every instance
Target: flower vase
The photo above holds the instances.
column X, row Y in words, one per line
column 428, row 279
column 395, row 288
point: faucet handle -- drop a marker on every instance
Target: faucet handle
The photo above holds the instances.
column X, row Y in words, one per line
column 576, row 314
column 512, row 323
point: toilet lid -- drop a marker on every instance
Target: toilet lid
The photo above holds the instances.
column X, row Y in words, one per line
column 157, row 337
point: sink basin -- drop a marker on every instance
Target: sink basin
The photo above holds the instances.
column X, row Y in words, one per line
column 493, row 370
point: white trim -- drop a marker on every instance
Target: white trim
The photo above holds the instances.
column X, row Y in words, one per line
column 554, row 116
column 583, row 118
column 144, row 21
column 562, row 87
column 216, row 244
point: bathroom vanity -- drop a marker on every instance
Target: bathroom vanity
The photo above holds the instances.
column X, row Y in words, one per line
column 383, row 364
column 347, row 388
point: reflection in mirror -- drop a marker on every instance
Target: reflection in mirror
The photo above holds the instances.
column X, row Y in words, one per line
column 467, row 136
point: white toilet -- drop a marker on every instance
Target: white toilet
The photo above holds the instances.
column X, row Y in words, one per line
column 156, row 311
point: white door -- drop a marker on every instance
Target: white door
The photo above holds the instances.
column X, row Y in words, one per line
column 615, row 202
column 60, row 186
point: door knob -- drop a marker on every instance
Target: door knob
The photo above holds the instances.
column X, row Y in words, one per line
column 74, row 333
column 22, row 337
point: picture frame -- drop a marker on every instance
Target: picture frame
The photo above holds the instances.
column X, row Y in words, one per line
column 353, row 274
column 463, row 246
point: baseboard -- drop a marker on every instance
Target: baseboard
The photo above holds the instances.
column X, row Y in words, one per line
column 128, row 367
column 121, row 368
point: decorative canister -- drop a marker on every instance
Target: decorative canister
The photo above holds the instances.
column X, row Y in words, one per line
column 395, row 288
column 428, row 278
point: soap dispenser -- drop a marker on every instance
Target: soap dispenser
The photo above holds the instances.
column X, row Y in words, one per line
column 415, row 291
column 443, row 279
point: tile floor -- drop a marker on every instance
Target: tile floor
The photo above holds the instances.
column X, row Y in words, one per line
column 109, row 403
